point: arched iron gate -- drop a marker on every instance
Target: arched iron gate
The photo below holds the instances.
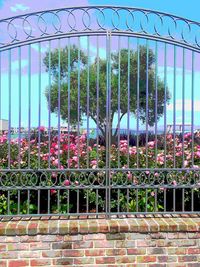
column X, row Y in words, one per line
column 99, row 112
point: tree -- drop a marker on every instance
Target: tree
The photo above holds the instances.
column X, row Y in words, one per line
column 88, row 86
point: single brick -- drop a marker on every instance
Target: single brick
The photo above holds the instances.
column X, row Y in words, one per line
column 104, row 244
column 64, row 228
column 115, row 252
column 194, row 235
column 165, row 259
column 29, row 254
column 156, row 251
column 51, row 254
column 94, row 237
column 11, row 228
column 116, row 236
column 146, row 259
column 93, row 226
column 124, row 244
column 114, row 226
column 3, row 263
column 82, row 244
column 18, row 263
column 84, row 261
column 32, row 228
column 72, row 238
column 17, row 246
column 103, row 227
column 125, row 259
column 9, row 255
column 95, row 252
column 29, row 239
column 51, row 238
column 64, row 245
column 177, row 235
column 193, row 251
column 158, row 235
column 21, row 228
column 187, row 258
column 136, row 251
column 104, row 260
column 136, row 236
column 146, row 243
column 39, row 246
column 73, row 227
column 176, row 251
column 72, row 253
column 84, row 227
column 43, row 227
column 123, row 226
column 3, row 247
column 63, row 261
column 40, row 262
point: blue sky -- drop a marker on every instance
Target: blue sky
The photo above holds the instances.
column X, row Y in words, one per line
column 184, row 8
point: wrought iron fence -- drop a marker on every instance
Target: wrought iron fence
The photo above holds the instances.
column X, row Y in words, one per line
column 87, row 95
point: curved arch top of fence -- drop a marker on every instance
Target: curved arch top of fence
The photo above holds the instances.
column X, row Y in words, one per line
column 96, row 20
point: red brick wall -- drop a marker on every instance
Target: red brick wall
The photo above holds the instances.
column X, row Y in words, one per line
column 116, row 242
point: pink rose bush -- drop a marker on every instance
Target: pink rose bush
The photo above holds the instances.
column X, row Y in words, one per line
column 67, row 155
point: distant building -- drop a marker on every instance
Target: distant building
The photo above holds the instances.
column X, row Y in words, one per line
column 3, row 125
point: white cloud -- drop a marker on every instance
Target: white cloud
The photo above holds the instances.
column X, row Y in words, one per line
column 15, row 64
column 187, row 105
column 19, row 7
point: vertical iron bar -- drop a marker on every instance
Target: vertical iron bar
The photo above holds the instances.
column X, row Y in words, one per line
column 29, row 102
column 119, row 97
column 128, row 105
column 38, row 204
column 147, row 100
column 59, row 98
column 192, row 107
column 49, row 104
column 97, row 93
column 165, row 105
column 183, row 199
column 192, row 200
column 39, row 106
column 174, row 109
column 97, row 200
column 8, row 203
column 174, row 199
column 49, row 200
column 138, row 97
column 78, row 104
column 156, row 102
column 68, row 95
column 19, row 126
column 9, row 110
column 183, row 108
column 28, row 202
column 88, row 98
column 18, row 202
column 108, row 130
column 58, row 201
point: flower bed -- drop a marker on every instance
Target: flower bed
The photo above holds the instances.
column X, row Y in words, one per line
column 73, row 168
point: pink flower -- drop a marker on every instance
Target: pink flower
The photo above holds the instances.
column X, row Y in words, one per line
column 174, row 182
column 66, row 183
column 129, row 175
column 152, row 194
column 151, row 144
column 53, row 191
column 41, row 128
column 75, row 158
column 55, row 162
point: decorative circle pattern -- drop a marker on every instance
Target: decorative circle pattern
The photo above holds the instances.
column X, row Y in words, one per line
column 98, row 19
